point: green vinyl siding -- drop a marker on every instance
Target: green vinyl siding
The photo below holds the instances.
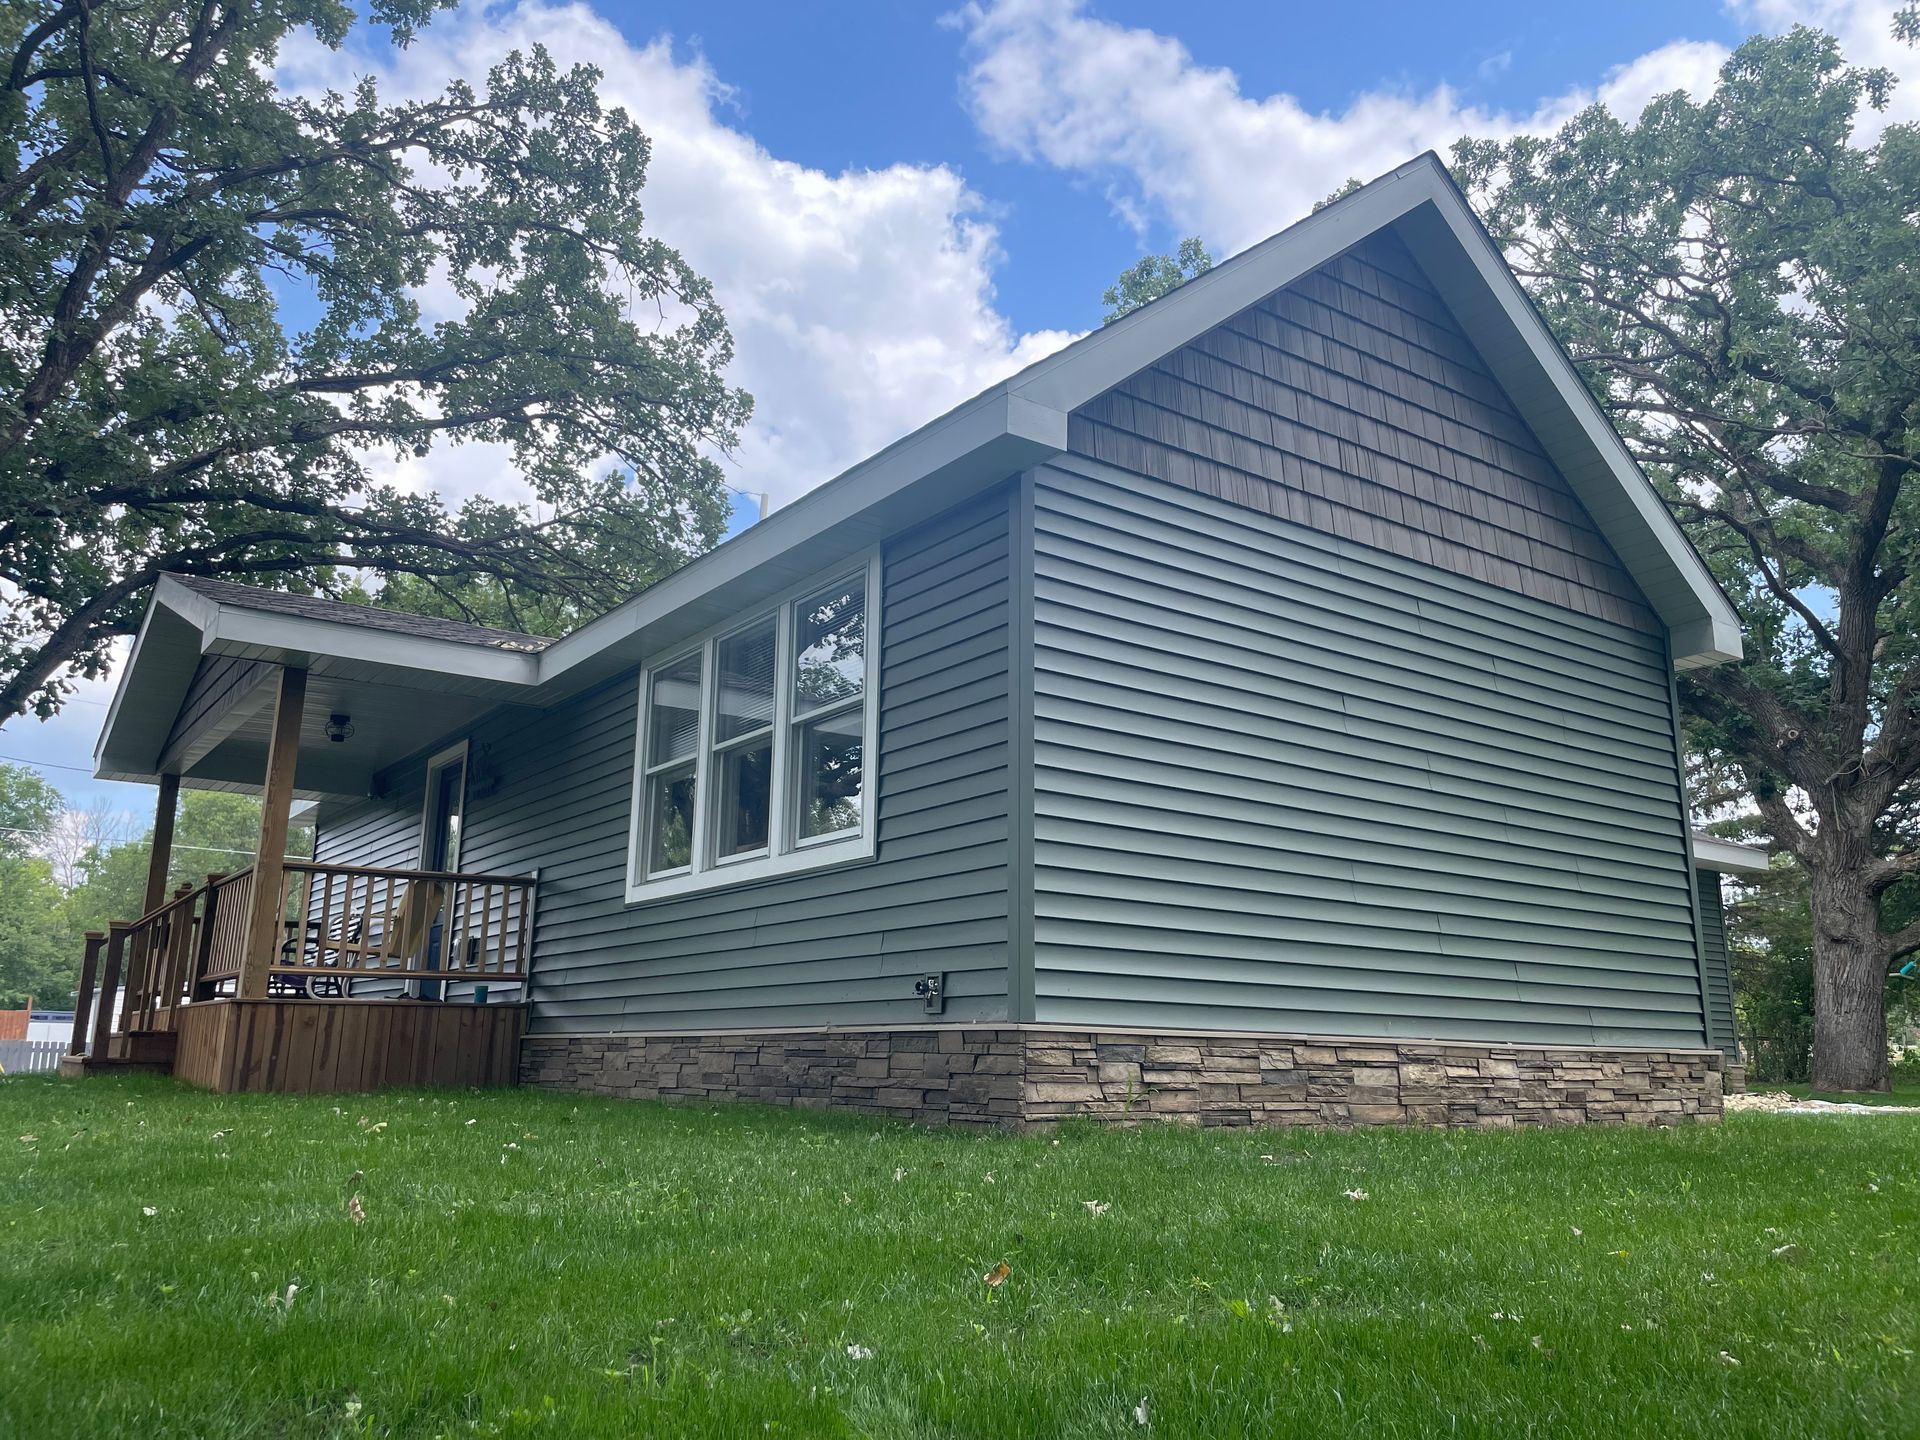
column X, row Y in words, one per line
column 1287, row 781
column 1722, row 1032
column 842, row 945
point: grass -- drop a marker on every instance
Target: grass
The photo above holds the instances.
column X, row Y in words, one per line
column 541, row 1264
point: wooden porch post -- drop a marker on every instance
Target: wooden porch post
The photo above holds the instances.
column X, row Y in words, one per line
column 84, row 1000
column 110, row 986
column 265, row 900
column 162, row 843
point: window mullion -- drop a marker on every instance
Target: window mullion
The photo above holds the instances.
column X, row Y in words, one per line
column 780, row 782
column 702, row 767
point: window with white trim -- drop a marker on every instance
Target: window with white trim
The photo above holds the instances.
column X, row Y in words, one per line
column 756, row 745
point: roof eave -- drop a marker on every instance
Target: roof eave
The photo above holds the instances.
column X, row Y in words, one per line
column 1726, row 857
column 991, row 438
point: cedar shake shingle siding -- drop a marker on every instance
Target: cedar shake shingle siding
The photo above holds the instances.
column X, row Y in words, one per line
column 1351, row 402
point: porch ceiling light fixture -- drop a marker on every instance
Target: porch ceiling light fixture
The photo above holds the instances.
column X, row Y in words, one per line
column 339, row 727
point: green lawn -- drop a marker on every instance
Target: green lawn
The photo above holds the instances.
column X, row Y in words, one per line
column 532, row 1263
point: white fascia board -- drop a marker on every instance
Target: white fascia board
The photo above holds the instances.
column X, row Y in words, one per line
column 300, row 640
column 1724, row 857
column 165, row 653
column 181, row 625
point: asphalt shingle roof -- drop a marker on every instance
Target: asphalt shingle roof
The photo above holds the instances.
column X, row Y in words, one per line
column 367, row 617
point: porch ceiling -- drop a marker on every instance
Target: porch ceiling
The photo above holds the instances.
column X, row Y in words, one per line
column 390, row 722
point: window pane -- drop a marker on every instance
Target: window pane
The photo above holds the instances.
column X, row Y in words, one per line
column 832, row 763
column 673, row 722
column 830, row 642
column 670, row 797
column 746, row 787
column 745, row 681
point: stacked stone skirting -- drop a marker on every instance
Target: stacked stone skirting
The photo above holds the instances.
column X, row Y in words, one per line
column 1020, row 1074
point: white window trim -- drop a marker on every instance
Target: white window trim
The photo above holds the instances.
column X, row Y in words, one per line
column 453, row 754
column 817, row 853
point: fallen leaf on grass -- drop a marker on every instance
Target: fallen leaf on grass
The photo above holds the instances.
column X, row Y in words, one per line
column 355, row 1211
column 997, row 1276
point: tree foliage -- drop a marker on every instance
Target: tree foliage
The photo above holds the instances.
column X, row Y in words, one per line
column 1738, row 277
column 225, row 309
column 30, row 927
column 43, row 921
column 1152, row 276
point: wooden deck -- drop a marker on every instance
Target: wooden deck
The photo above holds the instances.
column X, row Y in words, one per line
column 371, row 978
column 311, row 1047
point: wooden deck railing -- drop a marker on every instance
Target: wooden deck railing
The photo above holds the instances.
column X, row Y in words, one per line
column 342, row 924
column 347, row 921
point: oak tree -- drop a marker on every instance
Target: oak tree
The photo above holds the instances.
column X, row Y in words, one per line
column 1738, row 277
column 227, row 306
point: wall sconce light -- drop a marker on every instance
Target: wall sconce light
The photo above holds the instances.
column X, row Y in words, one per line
column 339, row 727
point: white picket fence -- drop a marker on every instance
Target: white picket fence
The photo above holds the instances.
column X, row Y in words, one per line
column 26, row 1057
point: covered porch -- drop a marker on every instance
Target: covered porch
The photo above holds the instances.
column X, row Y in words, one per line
column 289, row 974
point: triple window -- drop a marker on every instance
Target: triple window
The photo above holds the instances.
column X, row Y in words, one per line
column 756, row 746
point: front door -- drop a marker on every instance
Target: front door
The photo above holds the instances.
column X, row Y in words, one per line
column 440, row 844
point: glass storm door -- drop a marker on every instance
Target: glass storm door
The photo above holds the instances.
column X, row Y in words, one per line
column 446, row 804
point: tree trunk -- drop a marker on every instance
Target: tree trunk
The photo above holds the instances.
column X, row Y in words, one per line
column 1849, row 987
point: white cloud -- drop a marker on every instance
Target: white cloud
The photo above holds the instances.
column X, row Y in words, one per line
column 861, row 302
column 1864, row 29
column 1177, row 141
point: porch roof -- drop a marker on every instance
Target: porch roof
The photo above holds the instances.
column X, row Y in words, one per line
column 196, row 697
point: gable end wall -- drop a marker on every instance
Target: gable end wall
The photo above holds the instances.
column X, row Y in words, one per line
column 1351, row 402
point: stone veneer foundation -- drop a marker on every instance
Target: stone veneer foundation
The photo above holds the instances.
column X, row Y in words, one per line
column 1016, row 1075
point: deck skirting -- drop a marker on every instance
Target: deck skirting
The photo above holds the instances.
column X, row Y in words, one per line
column 307, row 1047
column 978, row 1074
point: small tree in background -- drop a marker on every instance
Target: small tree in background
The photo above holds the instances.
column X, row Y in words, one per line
column 1152, row 276
column 211, row 327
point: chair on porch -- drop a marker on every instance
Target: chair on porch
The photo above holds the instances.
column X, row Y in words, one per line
column 403, row 937
column 410, row 924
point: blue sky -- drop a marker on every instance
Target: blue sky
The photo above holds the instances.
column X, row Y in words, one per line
column 899, row 204
column 870, row 84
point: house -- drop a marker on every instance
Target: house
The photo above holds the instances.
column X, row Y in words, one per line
column 1712, row 860
column 1261, row 710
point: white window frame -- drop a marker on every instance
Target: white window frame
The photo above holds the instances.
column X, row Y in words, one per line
column 786, row 854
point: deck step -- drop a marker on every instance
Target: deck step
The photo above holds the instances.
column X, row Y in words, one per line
column 143, row 1047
